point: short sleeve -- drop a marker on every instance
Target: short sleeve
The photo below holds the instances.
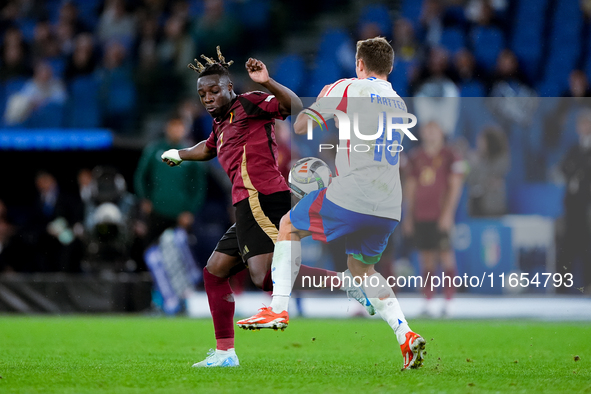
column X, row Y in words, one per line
column 211, row 141
column 333, row 99
column 261, row 104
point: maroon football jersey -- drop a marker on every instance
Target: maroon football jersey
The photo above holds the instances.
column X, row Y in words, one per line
column 244, row 139
column 432, row 175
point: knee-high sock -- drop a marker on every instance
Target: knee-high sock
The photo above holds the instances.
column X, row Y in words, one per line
column 221, row 305
column 287, row 259
column 427, row 291
column 383, row 299
column 449, row 291
column 316, row 275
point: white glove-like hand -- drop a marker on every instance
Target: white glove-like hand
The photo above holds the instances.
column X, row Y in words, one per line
column 172, row 157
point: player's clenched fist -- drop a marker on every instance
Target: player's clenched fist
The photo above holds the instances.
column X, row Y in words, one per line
column 172, row 157
column 257, row 70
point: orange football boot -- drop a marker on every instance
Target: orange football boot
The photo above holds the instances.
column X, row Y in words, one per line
column 266, row 318
column 413, row 351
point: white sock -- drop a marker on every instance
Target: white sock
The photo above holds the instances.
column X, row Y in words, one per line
column 225, row 352
column 287, row 259
column 383, row 299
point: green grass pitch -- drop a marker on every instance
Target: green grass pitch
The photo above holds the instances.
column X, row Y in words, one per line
column 154, row 355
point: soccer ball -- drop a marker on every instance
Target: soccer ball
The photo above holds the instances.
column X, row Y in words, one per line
column 307, row 175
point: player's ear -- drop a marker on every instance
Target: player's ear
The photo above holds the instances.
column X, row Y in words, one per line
column 360, row 68
column 360, row 65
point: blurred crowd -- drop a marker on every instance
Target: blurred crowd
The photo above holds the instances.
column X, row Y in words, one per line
column 91, row 63
column 112, row 63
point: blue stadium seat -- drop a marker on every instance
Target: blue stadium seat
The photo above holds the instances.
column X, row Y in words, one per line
column 196, row 9
column 562, row 60
column 290, row 71
column 118, row 99
column 453, row 39
column 567, row 12
column 529, row 56
column 58, row 66
column 487, row 43
column 377, row 14
column 52, row 8
column 27, row 28
column 565, row 44
column 89, row 11
column 472, row 89
column 399, row 76
column 400, row 86
column 528, row 28
column 587, row 63
column 47, row 116
column 330, row 43
column 83, row 104
column 14, row 85
column 122, row 96
column 411, row 10
column 455, row 15
column 2, row 100
column 550, row 88
column 254, row 14
column 327, row 71
column 329, row 63
column 530, row 11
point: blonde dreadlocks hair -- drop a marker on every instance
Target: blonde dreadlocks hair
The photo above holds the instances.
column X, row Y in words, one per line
column 211, row 66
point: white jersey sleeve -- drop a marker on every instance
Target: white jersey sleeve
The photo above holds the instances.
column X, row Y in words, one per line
column 332, row 99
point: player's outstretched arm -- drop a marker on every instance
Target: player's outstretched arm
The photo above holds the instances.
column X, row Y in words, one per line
column 288, row 101
column 199, row 152
column 301, row 124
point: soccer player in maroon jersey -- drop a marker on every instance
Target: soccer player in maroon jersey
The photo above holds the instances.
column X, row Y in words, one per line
column 243, row 139
column 432, row 191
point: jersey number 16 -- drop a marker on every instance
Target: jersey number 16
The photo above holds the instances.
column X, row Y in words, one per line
column 392, row 147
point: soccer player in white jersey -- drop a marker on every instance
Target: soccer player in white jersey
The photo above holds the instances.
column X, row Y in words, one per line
column 362, row 203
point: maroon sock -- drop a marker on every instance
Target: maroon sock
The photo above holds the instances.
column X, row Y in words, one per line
column 427, row 285
column 449, row 291
column 221, row 305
